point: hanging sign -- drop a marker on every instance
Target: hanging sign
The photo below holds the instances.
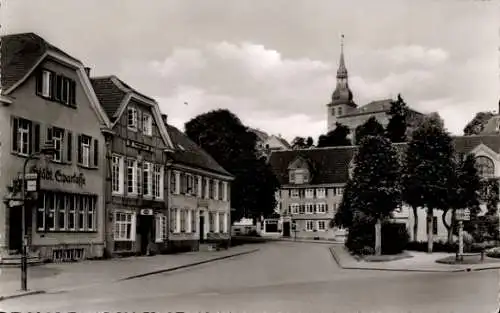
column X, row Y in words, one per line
column 146, row 211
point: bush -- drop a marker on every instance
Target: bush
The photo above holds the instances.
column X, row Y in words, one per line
column 361, row 238
column 438, row 246
column 493, row 252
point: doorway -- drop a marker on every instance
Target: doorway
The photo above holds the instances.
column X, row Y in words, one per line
column 145, row 232
column 286, row 229
column 15, row 231
column 202, row 228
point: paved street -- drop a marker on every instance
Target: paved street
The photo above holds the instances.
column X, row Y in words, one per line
column 281, row 277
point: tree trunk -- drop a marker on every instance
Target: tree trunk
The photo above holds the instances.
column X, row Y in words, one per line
column 451, row 226
column 415, row 223
column 430, row 233
column 378, row 237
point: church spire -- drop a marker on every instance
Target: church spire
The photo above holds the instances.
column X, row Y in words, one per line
column 342, row 71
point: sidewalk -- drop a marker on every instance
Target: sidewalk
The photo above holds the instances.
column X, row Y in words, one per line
column 418, row 262
column 61, row 277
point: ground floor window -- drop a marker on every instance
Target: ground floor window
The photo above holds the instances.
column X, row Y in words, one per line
column 193, row 221
column 57, row 211
column 211, row 222
column 173, row 220
column 321, row 225
column 309, row 225
column 124, row 226
column 161, row 228
column 183, row 220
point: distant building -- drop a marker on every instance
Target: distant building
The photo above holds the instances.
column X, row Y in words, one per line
column 342, row 108
column 267, row 143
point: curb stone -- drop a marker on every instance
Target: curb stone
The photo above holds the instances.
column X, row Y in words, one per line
column 467, row 269
column 171, row 269
column 21, row 294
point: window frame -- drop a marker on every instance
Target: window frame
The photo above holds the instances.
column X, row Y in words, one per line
column 132, row 118
column 147, row 124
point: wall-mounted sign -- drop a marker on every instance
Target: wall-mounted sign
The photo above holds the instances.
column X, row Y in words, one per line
column 60, row 177
column 146, row 211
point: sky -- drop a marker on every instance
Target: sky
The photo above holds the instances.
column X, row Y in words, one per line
column 273, row 63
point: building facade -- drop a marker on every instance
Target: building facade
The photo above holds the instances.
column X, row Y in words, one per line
column 199, row 196
column 137, row 154
column 50, row 99
column 312, row 182
column 267, row 143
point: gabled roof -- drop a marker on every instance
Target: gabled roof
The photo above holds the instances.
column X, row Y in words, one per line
column 20, row 53
column 284, row 142
column 331, row 164
column 376, row 107
column 189, row 153
column 492, row 126
column 262, row 136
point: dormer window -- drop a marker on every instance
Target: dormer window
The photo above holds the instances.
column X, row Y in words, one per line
column 147, row 124
column 56, row 87
column 299, row 172
column 132, row 118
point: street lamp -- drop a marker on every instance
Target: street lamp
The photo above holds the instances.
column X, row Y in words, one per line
column 47, row 150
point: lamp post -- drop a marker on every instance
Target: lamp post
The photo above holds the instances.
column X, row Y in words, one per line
column 48, row 150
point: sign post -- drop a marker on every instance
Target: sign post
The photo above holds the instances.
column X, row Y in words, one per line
column 461, row 216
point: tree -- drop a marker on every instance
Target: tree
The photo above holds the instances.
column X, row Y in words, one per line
column 336, row 137
column 309, row 142
column 476, row 125
column 430, row 169
column 370, row 127
column 222, row 135
column 396, row 129
column 299, row 143
column 466, row 193
column 345, row 213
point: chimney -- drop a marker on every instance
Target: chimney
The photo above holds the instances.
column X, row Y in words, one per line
column 87, row 70
column 164, row 118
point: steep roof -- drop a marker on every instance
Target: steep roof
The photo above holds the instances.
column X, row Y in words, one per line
column 20, row 52
column 262, row 136
column 284, row 142
column 189, row 153
column 372, row 107
column 111, row 91
column 492, row 126
column 331, row 164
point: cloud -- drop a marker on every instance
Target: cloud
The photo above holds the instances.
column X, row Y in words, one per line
column 415, row 53
column 181, row 60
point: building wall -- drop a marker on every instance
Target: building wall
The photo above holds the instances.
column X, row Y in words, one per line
column 333, row 115
column 82, row 119
column 189, row 199
column 130, row 144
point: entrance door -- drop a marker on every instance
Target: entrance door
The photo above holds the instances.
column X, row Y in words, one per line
column 15, row 231
column 202, row 228
column 286, row 229
column 145, row 231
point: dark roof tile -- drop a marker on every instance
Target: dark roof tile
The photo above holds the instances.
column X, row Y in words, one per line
column 109, row 95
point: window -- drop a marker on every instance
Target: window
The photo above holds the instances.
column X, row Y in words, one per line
column 84, row 150
column 84, row 205
column 295, row 193
column 189, row 185
column 204, row 187
column 193, row 221
column 25, row 136
column 321, row 193
column 309, row 193
column 309, row 225
column 132, row 177
column 44, row 87
column 56, row 87
column 183, row 221
column 292, row 177
column 321, row 207
column 147, row 188
column 211, row 221
column 60, row 211
column 157, row 181
column 196, row 186
column 173, row 182
column 221, row 222
column 173, row 220
column 485, row 167
column 161, row 228
column 123, row 226
column 138, row 171
column 132, row 118
column 301, row 176
column 147, row 124
column 117, row 174
column 221, row 190
column 301, row 209
column 321, row 225
column 211, row 189
column 339, row 111
column 309, row 208
column 294, row 207
column 56, row 135
column 337, row 191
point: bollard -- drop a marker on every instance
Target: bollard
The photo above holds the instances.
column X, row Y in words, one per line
column 482, row 256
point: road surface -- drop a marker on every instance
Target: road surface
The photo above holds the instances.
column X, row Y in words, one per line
column 281, row 277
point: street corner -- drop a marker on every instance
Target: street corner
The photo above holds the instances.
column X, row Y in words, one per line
column 19, row 293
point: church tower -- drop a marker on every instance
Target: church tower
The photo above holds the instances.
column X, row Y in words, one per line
column 342, row 102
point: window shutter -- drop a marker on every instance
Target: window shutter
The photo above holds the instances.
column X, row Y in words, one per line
column 80, row 156
column 72, row 92
column 59, row 86
column 133, row 229
column 15, row 126
column 36, row 144
column 31, row 137
column 39, row 82
column 96, row 152
column 69, row 146
column 158, row 238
